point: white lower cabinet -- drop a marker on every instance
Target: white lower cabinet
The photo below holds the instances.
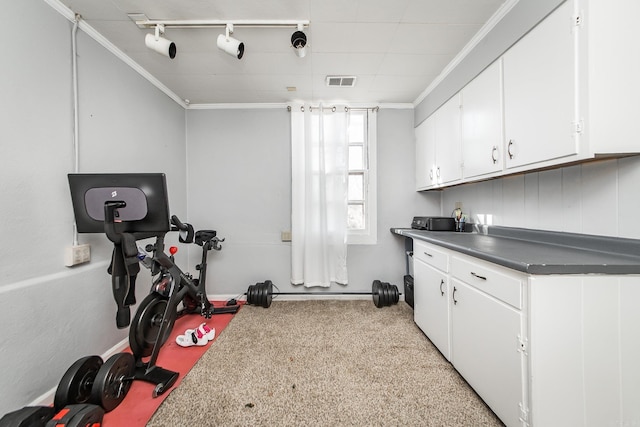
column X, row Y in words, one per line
column 471, row 313
column 431, row 294
column 485, row 349
column 540, row 350
column 431, row 305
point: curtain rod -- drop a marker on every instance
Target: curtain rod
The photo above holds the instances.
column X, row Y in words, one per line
column 333, row 108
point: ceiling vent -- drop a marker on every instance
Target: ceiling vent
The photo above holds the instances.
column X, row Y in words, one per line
column 341, row 81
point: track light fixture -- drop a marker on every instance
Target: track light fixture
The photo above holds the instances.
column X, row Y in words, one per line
column 299, row 42
column 159, row 44
column 230, row 45
column 225, row 42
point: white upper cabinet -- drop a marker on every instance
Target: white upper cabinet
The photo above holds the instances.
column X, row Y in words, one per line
column 438, row 147
column 540, row 92
column 565, row 92
column 482, row 138
column 609, row 70
column 425, row 154
column 448, row 141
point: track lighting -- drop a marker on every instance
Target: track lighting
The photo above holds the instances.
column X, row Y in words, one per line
column 230, row 45
column 299, row 42
column 159, row 44
column 225, row 42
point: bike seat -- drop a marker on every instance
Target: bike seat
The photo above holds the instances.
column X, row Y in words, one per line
column 204, row 236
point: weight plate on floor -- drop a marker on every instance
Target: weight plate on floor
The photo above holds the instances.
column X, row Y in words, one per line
column 250, row 300
column 255, row 293
column 113, row 381
column 146, row 324
column 386, row 297
column 75, row 385
column 376, row 289
column 248, row 295
column 396, row 295
column 262, row 295
column 269, row 292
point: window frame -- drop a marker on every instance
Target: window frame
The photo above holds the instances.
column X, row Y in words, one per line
column 369, row 234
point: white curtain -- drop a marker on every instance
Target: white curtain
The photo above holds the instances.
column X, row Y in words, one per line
column 319, row 155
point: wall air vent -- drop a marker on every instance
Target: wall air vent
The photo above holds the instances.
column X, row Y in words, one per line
column 340, row 81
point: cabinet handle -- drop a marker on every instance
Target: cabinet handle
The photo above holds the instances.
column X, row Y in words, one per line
column 428, row 254
column 509, row 148
column 431, row 174
column 441, row 283
column 453, row 296
column 478, row 276
column 494, row 151
column 438, row 171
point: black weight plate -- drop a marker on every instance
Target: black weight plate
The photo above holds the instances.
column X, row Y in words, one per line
column 376, row 290
column 262, row 295
column 145, row 327
column 256, row 294
column 250, row 295
column 269, row 293
column 113, row 381
column 396, row 295
column 393, row 294
column 75, row 385
column 385, row 294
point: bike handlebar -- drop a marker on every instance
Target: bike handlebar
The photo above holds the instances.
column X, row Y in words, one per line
column 178, row 224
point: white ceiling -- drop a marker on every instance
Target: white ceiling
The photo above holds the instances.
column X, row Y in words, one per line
column 396, row 48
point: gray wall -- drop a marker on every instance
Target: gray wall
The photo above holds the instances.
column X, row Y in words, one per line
column 51, row 315
column 239, row 174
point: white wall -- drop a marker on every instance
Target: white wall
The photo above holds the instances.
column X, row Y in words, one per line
column 594, row 198
column 51, row 315
column 239, row 169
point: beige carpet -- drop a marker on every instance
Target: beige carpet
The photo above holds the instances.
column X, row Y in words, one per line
column 323, row 363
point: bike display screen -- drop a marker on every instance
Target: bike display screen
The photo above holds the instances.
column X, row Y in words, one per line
column 144, row 194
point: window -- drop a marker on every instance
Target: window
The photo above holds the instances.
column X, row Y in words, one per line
column 362, row 208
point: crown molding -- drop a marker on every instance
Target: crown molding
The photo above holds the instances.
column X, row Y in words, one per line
column 481, row 34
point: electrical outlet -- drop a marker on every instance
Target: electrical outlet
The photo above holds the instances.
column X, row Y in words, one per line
column 75, row 255
column 285, row 236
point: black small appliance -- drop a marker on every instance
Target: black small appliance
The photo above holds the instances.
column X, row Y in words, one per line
column 433, row 223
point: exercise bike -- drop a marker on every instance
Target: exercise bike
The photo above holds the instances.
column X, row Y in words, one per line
column 129, row 208
column 158, row 311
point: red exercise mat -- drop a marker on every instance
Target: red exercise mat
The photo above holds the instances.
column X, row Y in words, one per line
column 138, row 406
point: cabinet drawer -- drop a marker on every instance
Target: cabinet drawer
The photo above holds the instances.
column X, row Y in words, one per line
column 489, row 279
column 431, row 255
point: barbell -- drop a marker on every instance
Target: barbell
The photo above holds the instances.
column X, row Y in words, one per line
column 383, row 293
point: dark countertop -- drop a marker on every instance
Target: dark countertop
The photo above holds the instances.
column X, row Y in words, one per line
column 538, row 251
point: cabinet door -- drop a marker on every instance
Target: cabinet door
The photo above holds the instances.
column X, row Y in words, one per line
column 430, row 304
column 539, row 92
column 448, row 136
column 484, row 349
column 425, row 154
column 482, row 138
